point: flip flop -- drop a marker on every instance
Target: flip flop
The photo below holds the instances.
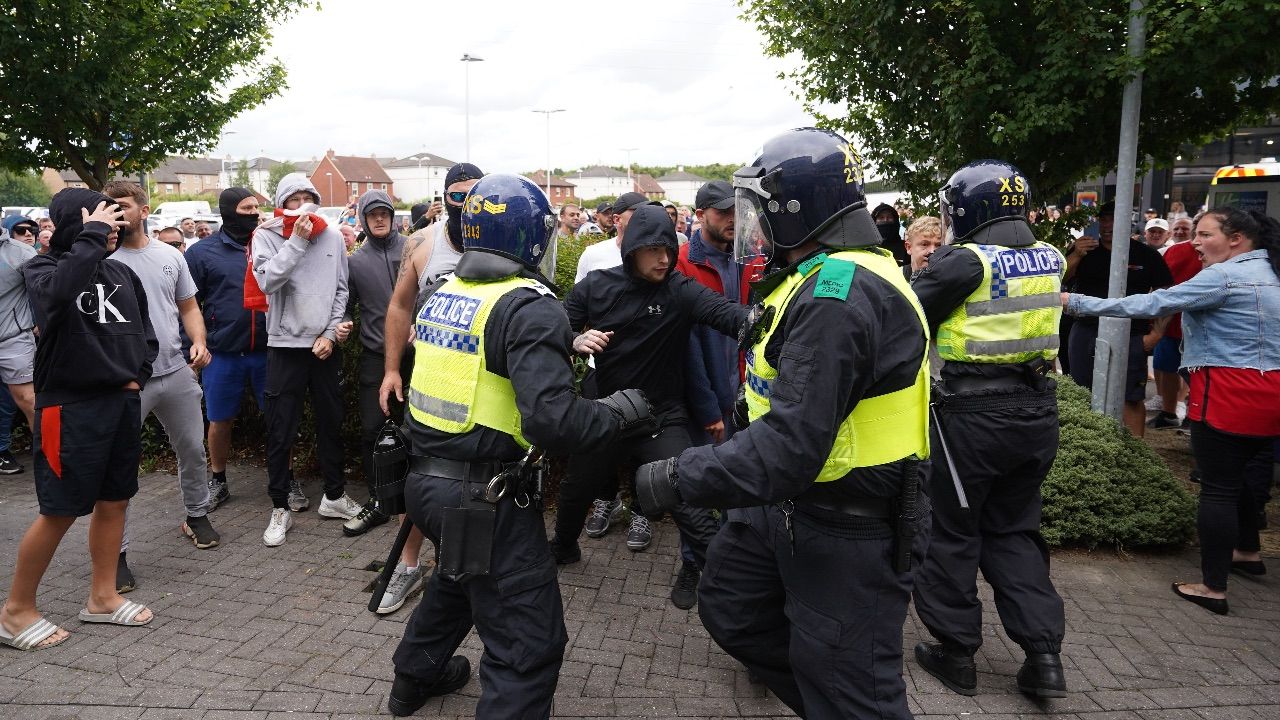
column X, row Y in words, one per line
column 30, row 637
column 124, row 615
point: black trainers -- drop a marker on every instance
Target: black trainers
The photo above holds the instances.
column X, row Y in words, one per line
column 1164, row 421
column 9, row 465
column 218, row 492
column 952, row 668
column 408, row 695
column 1041, row 676
column 369, row 517
column 200, row 532
column 684, row 594
column 565, row 552
column 124, row 578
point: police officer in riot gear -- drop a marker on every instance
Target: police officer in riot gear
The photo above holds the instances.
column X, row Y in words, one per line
column 808, row 582
column 992, row 299
column 492, row 380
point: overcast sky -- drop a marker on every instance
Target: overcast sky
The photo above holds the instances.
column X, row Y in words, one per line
column 681, row 81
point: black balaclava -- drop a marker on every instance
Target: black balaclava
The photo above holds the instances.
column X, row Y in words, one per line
column 458, row 173
column 64, row 211
column 416, row 215
column 237, row 226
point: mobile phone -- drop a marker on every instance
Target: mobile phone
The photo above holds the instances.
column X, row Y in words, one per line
column 1091, row 230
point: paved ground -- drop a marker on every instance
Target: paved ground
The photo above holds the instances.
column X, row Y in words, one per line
column 246, row 632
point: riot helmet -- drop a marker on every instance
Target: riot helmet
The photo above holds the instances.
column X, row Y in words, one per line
column 981, row 193
column 510, row 216
column 805, row 185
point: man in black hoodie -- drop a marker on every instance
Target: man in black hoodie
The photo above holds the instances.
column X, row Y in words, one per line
column 371, row 277
column 889, row 224
column 635, row 319
column 94, row 355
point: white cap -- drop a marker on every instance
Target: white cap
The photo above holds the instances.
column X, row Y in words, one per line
column 1157, row 223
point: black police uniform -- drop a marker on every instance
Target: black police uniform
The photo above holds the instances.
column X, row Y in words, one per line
column 799, row 584
column 516, row 608
column 1001, row 422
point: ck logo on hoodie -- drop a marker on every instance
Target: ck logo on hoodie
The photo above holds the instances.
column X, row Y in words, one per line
column 99, row 303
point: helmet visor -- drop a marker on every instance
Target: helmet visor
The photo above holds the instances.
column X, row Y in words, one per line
column 547, row 264
column 944, row 212
column 752, row 237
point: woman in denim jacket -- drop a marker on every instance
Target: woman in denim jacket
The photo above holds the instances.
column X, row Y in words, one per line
column 1231, row 348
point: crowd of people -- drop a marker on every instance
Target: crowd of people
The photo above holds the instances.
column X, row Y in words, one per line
column 778, row 367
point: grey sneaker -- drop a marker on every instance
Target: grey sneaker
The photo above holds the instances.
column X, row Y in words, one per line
column 399, row 588
column 297, row 501
column 640, row 534
column 218, row 493
column 601, row 517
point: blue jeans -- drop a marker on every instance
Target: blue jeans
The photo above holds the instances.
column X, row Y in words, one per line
column 8, row 408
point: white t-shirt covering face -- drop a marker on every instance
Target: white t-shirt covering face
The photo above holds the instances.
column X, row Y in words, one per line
column 167, row 280
column 598, row 256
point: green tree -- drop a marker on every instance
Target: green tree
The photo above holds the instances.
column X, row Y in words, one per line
column 22, row 188
column 241, row 176
column 929, row 85
column 277, row 172
column 118, row 87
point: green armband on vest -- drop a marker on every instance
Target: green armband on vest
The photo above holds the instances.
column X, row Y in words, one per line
column 834, row 279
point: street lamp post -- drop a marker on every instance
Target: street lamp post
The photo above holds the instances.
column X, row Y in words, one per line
column 226, row 156
column 628, row 152
column 547, row 114
column 467, row 60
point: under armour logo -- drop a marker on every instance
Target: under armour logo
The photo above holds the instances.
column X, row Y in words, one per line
column 100, row 305
column 655, row 309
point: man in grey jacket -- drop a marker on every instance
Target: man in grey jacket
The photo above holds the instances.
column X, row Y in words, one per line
column 374, row 267
column 301, row 266
column 17, row 342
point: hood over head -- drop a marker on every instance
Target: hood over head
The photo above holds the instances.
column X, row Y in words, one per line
column 375, row 199
column 417, row 212
column 650, row 225
column 293, row 183
column 64, row 210
column 14, row 221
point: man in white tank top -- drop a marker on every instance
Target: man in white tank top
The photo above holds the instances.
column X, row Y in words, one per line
column 424, row 261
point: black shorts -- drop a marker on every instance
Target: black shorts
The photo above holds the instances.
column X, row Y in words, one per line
column 1084, row 336
column 86, row 451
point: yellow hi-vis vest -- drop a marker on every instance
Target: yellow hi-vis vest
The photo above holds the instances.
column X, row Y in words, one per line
column 451, row 390
column 880, row 429
column 1013, row 315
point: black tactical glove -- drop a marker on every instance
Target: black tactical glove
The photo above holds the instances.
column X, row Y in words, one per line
column 656, row 486
column 634, row 413
column 758, row 319
column 741, row 416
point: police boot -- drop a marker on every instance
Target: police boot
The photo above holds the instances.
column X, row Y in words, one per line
column 953, row 667
column 565, row 552
column 408, row 694
column 1041, row 676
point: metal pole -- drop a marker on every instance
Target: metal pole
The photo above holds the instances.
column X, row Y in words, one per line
column 547, row 114
column 467, row 59
column 1111, row 354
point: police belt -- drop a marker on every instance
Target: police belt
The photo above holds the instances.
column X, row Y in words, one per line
column 472, row 471
column 1016, row 395
column 865, row 507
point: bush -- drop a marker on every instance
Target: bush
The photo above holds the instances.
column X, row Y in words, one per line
column 1108, row 487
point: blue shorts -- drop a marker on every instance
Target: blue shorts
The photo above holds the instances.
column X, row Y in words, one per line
column 1168, row 355
column 224, row 380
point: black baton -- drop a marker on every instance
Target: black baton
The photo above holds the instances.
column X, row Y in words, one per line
column 384, row 577
column 951, row 466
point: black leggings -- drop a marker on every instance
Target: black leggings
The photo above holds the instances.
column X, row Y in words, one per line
column 1235, row 474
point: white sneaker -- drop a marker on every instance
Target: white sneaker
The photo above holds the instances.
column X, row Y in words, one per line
column 281, row 521
column 1155, row 403
column 344, row 507
column 1182, row 410
column 398, row 588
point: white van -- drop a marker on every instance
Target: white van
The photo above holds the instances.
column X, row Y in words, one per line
column 182, row 208
column 1255, row 186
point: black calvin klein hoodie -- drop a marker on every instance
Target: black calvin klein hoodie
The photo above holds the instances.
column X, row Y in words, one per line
column 95, row 334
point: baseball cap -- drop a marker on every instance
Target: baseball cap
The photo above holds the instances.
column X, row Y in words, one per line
column 629, row 200
column 716, row 194
column 604, row 208
column 1157, row 223
column 1152, row 211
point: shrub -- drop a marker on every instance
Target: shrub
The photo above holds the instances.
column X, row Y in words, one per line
column 1108, row 487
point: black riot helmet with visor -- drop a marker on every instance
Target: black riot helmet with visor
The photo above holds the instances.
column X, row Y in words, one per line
column 805, row 185
column 980, row 194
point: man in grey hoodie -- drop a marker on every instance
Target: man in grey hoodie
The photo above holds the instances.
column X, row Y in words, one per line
column 301, row 266
column 374, row 267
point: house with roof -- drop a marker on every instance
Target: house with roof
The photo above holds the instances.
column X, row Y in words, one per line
column 418, row 177
column 259, row 172
column 191, row 176
column 682, row 187
column 341, row 179
column 562, row 191
column 647, row 186
column 599, row 181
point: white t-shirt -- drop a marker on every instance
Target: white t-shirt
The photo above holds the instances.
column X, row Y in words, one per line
column 598, row 256
column 167, row 280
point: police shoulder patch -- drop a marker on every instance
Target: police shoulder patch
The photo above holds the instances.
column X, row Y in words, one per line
column 834, row 279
